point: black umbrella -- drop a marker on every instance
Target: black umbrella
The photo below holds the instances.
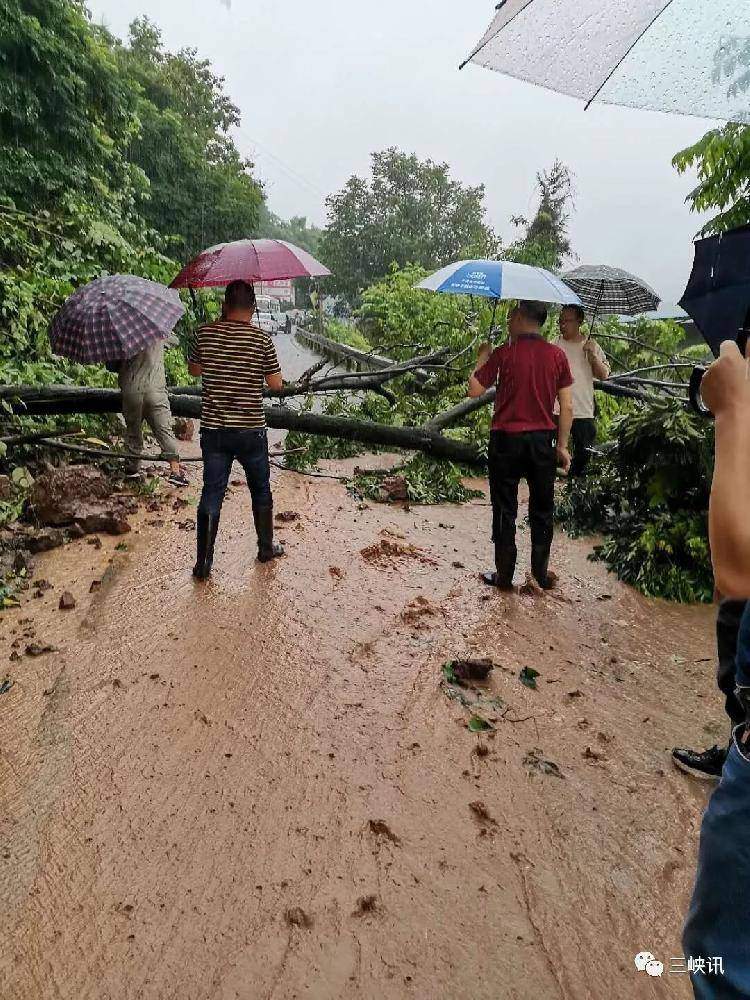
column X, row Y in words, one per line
column 718, row 294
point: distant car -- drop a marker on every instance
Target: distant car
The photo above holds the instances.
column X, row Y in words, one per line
column 266, row 322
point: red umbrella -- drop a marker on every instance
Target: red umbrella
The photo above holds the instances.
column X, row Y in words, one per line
column 251, row 261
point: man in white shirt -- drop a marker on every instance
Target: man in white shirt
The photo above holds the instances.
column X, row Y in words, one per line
column 587, row 362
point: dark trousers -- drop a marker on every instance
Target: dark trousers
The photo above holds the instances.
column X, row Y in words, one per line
column 727, row 630
column 582, row 437
column 220, row 448
column 513, row 457
column 719, row 914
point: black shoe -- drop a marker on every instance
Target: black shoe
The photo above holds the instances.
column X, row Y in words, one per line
column 540, row 567
column 707, row 765
column 268, row 549
column 505, row 567
column 206, row 527
column 493, row 580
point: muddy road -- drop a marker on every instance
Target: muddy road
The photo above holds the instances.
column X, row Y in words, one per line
column 259, row 789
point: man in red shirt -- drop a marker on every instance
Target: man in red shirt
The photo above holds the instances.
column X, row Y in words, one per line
column 526, row 442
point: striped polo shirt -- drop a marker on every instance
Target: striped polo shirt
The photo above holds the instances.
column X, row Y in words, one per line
column 235, row 359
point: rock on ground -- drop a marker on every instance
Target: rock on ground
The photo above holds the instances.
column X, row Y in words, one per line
column 80, row 495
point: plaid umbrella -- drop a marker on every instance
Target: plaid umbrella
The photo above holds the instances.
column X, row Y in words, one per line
column 609, row 291
column 114, row 318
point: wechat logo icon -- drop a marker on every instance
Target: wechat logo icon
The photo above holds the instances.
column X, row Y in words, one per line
column 648, row 963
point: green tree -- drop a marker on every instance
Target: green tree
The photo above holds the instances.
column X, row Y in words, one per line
column 722, row 159
column 200, row 189
column 67, row 113
column 410, row 211
column 296, row 230
column 545, row 241
column 722, row 156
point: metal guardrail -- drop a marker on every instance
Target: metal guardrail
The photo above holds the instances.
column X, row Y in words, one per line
column 350, row 355
column 340, row 352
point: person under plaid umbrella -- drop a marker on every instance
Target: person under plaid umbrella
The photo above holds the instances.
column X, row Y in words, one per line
column 587, row 362
column 123, row 321
column 610, row 291
column 604, row 291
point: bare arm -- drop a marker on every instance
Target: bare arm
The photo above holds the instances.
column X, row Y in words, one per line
column 599, row 368
column 194, row 369
column 275, row 382
column 476, row 389
column 565, row 400
column 726, row 391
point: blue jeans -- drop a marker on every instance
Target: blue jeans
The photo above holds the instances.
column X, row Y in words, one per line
column 220, row 448
column 718, row 924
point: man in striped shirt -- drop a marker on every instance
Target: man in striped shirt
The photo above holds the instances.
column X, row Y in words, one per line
column 234, row 360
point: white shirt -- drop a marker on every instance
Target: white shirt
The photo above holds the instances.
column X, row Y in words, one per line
column 583, row 377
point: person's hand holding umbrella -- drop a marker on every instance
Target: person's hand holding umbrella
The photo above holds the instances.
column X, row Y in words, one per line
column 599, row 369
column 726, row 385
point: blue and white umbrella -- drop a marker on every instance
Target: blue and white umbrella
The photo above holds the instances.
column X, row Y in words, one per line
column 500, row 279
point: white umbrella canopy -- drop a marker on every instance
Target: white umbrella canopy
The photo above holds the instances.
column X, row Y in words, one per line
column 688, row 57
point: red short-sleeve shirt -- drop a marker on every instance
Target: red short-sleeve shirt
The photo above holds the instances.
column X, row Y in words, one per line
column 529, row 374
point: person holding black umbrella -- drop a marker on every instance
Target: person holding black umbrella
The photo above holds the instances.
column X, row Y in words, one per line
column 717, row 298
column 720, row 909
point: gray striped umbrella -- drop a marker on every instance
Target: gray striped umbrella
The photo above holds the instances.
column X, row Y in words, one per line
column 610, row 291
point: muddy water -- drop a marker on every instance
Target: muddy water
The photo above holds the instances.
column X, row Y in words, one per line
column 257, row 788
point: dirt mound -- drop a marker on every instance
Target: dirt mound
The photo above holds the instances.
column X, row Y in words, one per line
column 80, row 495
column 417, row 611
column 58, row 493
column 387, row 552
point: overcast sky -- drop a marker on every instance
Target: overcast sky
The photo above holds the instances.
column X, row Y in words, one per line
column 323, row 84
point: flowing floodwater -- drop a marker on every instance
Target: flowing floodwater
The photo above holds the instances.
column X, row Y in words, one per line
column 257, row 788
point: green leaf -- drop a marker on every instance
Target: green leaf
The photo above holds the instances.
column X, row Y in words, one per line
column 448, row 673
column 477, row 724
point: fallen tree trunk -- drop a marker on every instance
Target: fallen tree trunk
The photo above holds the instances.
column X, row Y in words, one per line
column 468, row 406
column 412, row 438
column 72, row 399
column 186, row 402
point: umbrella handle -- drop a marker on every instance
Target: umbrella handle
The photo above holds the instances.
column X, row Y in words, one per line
column 696, row 400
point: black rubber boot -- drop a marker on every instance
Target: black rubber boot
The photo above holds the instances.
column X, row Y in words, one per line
column 206, row 527
column 268, row 549
column 540, row 567
column 505, row 567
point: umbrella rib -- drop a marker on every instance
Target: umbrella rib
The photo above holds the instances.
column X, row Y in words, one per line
column 625, row 55
column 483, row 44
